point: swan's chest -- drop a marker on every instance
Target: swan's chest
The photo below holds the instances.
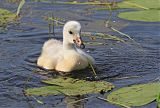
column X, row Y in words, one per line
column 73, row 61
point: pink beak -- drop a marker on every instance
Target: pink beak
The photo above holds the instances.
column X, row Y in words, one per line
column 79, row 42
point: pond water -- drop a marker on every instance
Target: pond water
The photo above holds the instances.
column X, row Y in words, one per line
column 21, row 44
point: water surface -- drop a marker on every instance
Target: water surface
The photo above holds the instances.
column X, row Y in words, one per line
column 21, row 44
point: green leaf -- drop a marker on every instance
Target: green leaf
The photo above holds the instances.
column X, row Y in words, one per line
column 43, row 91
column 141, row 4
column 136, row 95
column 147, row 15
column 70, row 87
column 148, row 10
column 158, row 100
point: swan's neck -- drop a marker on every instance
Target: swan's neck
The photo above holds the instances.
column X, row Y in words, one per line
column 68, row 46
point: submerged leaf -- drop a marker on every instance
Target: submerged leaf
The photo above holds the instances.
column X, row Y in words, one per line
column 70, row 87
column 136, row 95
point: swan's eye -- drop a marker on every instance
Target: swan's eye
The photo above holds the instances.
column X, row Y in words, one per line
column 70, row 32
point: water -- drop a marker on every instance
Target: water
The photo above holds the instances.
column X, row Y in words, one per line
column 21, row 44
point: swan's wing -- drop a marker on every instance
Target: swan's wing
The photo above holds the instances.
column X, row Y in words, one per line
column 51, row 53
column 52, row 45
column 90, row 58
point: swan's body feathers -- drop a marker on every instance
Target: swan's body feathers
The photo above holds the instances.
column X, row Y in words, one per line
column 65, row 56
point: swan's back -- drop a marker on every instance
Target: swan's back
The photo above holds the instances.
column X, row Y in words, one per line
column 52, row 46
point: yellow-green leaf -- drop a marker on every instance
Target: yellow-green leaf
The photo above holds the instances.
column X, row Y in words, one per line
column 70, row 87
column 148, row 10
column 158, row 100
column 136, row 95
column 147, row 15
column 141, row 4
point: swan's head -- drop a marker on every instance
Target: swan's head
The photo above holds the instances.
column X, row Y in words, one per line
column 71, row 33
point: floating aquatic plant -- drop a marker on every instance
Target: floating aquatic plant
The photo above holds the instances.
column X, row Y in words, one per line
column 135, row 95
column 146, row 15
column 7, row 16
column 146, row 10
column 158, row 100
column 70, row 87
column 149, row 10
column 139, row 4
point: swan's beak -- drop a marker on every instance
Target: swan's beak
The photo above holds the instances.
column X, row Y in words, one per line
column 78, row 41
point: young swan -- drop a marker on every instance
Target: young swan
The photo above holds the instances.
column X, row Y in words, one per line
column 65, row 56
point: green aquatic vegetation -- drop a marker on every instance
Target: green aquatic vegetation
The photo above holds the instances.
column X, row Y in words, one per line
column 139, row 4
column 114, row 38
column 149, row 10
column 58, row 21
column 158, row 100
column 20, row 7
column 146, row 15
column 6, row 17
column 94, row 43
column 135, row 95
column 40, row 0
column 102, row 36
column 70, row 87
column 73, row 2
column 146, row 10
column 85, row 3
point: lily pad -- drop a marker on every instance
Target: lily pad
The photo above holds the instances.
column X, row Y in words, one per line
column 136, row 95
column 70, row 87
column 147, row 15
